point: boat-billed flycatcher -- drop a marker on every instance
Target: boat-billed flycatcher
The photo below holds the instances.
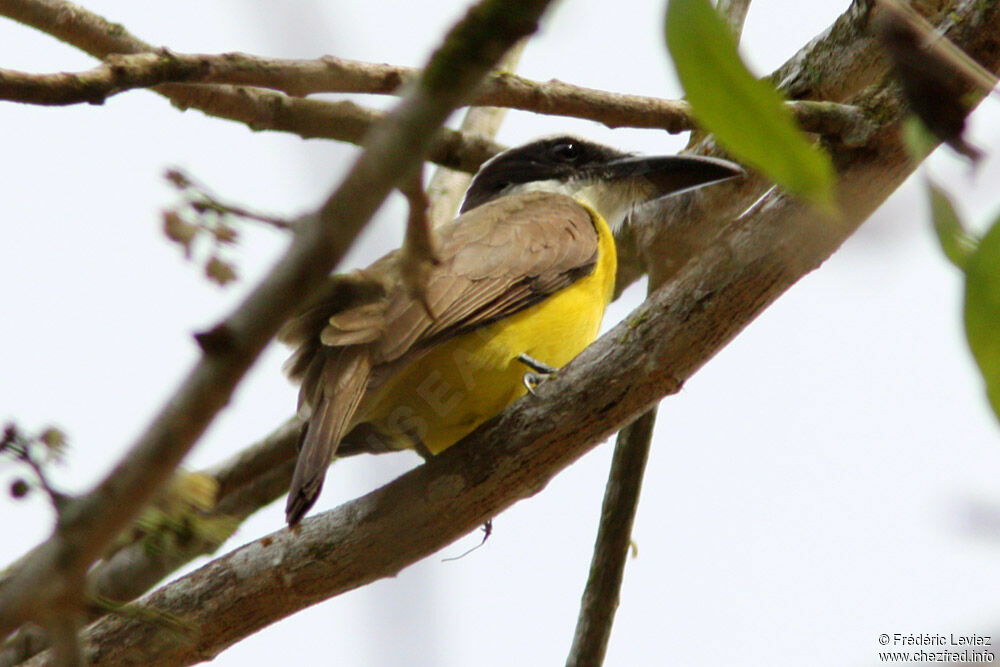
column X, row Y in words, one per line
column 525, row 274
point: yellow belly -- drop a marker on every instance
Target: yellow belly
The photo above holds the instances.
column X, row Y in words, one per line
column 461, row 383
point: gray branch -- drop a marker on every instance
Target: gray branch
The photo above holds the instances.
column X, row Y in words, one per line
column 614, row 537
column 346, row 121
column 735, row 13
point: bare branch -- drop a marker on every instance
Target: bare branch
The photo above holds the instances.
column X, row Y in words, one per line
column 607, row 567
column 346, row 121
column 843, row 123
column 735, row 12
column 249, row 465
column 839, row 65
column 447, row 187
column 419, row 253
column 257, row 108
column 201, row 200
column 94, row 86
column 248, row 481
column 54, row 571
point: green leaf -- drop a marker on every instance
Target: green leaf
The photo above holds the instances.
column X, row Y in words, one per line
column 957, row 244
column 747, row 115
column 917, row 139
column 982, row 310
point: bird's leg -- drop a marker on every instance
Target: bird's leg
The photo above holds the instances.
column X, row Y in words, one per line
column 541, row 371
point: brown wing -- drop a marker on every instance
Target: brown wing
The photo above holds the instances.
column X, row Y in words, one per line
column 497, row 259
column 355, row 292
column 344, row 375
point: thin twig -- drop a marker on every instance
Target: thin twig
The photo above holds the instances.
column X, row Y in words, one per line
column 57, row 498
column 202, row 200
column 247, row 481
column 735, row 12
column 347, row 121
column 607, row 567
column 447, row 186
column 257, row 108
column 419, row 252
column 24, row 449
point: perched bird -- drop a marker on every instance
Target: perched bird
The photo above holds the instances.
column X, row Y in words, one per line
column 523, row 278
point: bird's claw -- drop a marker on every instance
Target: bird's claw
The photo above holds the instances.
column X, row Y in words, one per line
column 532, row 380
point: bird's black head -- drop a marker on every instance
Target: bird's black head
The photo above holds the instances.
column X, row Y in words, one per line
column 557, row 158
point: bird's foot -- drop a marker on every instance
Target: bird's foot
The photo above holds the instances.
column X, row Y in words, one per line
column 540, row 372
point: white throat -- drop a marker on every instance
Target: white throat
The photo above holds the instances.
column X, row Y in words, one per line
column 612, row 200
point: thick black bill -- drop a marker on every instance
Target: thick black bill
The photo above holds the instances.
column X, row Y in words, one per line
column 671, row 174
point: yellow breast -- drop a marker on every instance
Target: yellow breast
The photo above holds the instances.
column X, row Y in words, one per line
column 453, row 388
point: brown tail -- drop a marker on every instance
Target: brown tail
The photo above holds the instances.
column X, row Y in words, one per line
column 345, row 377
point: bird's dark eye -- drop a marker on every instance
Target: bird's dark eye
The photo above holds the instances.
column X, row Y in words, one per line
column 566, row 151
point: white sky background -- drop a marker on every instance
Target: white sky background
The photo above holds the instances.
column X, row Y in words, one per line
column 830, row 476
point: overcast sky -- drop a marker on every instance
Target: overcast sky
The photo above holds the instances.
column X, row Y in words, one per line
column 830, row 476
